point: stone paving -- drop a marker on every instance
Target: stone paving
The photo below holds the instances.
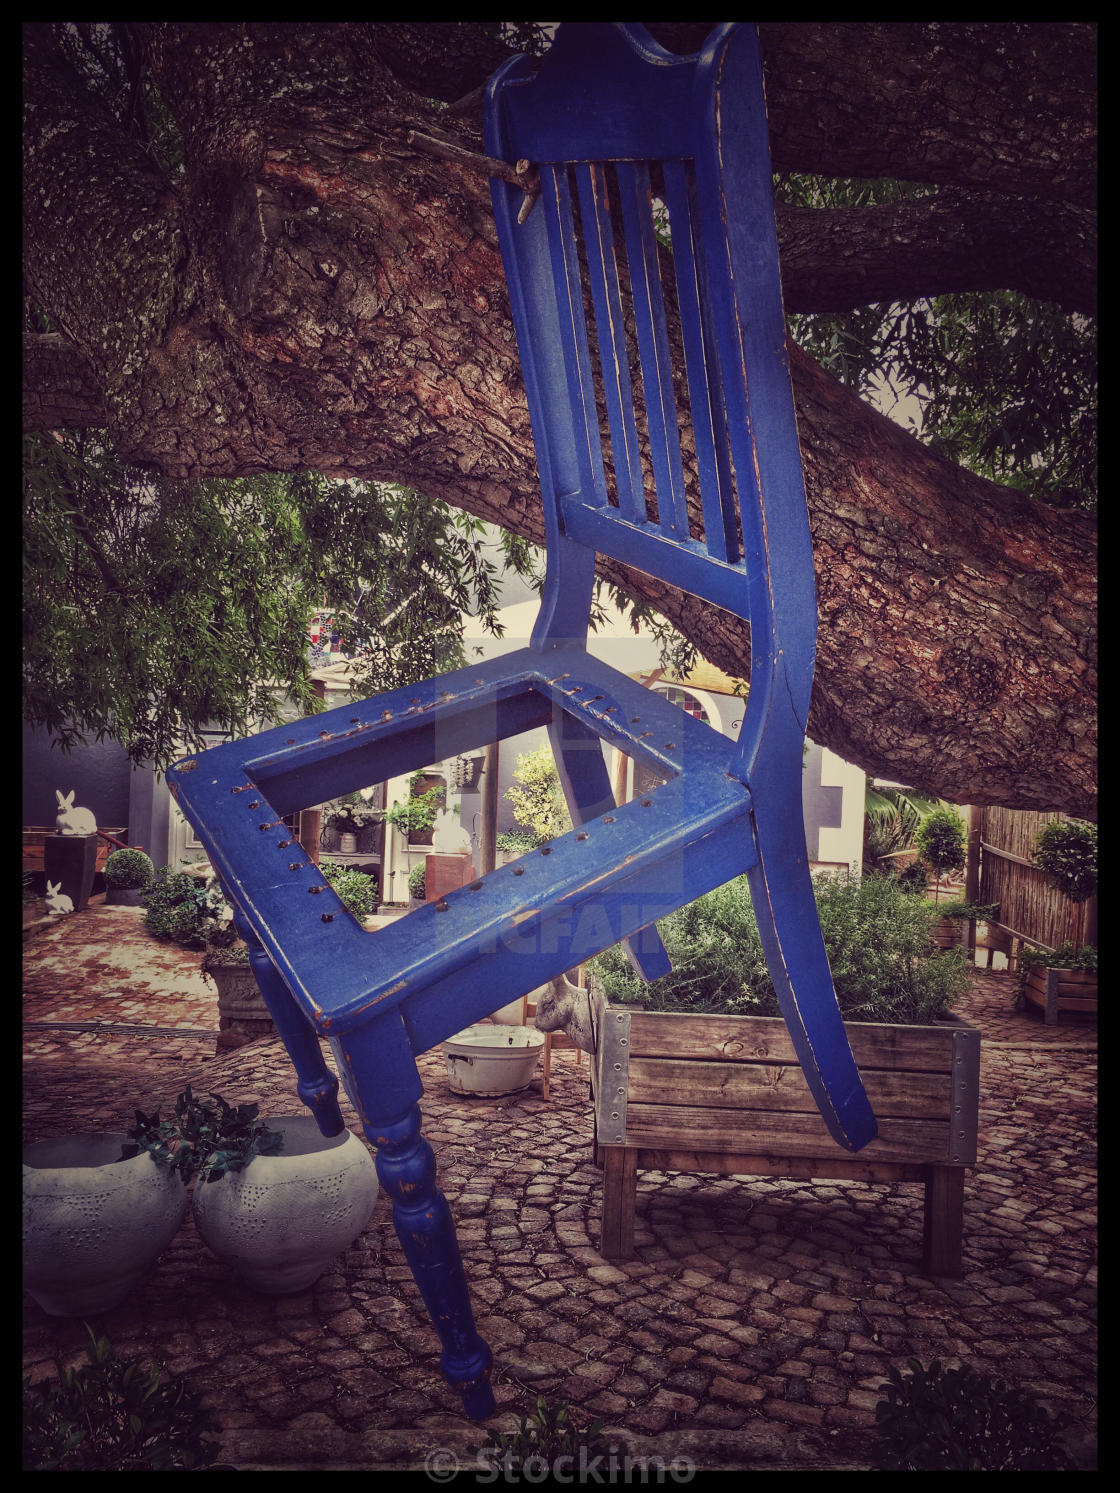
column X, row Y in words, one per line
column 751, row 1331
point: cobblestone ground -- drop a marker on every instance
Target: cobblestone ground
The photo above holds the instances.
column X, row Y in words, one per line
column 752, row 1329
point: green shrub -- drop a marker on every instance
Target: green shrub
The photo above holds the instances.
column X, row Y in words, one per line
column 113, row 1416
column 942, row 841
column 186, row 911
column 876, row 937
column 517, row 842
column 128, row 869
column 1066, row 851
column 417, row 887
column 356, row 890
column 956, row 1420
column 537, row 797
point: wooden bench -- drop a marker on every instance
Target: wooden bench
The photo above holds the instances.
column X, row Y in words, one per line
column 725, row 1095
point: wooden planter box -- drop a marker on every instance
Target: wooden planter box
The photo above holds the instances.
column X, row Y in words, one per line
column 725, row 1094
column 1062, row 992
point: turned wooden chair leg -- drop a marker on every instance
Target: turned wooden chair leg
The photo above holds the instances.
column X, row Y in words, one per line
column 943, row 1223
column 384, row 1084
column 620, row 1187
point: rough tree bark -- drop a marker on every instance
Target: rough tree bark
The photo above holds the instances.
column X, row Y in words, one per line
column 314, row 291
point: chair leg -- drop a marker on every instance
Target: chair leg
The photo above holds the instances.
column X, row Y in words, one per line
column 315, row 1083
column 782, row 892
column 381, row 1075
column 587, row 789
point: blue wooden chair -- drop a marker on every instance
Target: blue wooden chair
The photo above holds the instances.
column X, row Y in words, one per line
column 634, row 411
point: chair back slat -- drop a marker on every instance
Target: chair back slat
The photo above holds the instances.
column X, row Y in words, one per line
column 662, row 419
column 705, row 387
column 556, row 204
column 614, row 369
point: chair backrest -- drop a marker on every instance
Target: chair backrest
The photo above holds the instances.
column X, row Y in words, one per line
column 678, row 379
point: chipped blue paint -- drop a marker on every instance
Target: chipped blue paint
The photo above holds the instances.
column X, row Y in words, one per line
column 611, row 122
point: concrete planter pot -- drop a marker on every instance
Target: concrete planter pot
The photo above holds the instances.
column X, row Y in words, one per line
column 124, row 896
column 283, row 1220
column 242, row 1012
column 93, row 1224
column 726, row 1094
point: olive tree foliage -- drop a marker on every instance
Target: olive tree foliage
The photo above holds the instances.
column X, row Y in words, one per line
column 244, row 260
column 153, row 609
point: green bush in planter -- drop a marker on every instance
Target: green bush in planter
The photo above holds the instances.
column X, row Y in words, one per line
column 356, row 890
column 186, row 911
column 876, row 936
column 417, row 887
column 206, row 1139
column 128, row 870
column 1066, row 956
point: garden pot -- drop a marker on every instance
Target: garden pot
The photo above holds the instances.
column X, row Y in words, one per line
column 124, row 896
column 1058, row 993
column 242, row 1012
column 485, row 1061
column 347, row 843
column 92, row 1223
column 726, row 1094
column 282, row 1220
column 72, row 861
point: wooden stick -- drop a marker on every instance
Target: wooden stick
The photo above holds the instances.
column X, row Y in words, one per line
column 523, row 175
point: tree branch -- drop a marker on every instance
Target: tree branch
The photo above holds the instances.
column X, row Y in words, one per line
column 835, row 259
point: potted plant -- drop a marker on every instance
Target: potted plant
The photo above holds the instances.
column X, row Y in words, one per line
column 415, row 817
column 96, row 1216
column 416, row 884
column 1059, row 982
column 1063, row 982
column 273, row 1198
column 512, row 844
column 349, row 818
column 127, row 874
column 697, row 1071
column 941, row 840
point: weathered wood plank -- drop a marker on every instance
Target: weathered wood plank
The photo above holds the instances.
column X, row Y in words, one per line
column 922, row 1049
column 620, row 1181
column 770, row 1133
column 751, row 1164
column 943, row 1220
column 755, row 1085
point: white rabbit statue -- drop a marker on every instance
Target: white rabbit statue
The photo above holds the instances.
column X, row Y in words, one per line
column 448, row 836
column 55, row 901
column 72, row 821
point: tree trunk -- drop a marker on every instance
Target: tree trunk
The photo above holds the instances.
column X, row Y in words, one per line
column 315, row 292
